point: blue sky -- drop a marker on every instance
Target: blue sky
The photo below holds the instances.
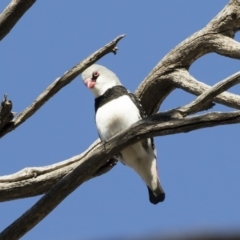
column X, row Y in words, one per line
column 199, row 170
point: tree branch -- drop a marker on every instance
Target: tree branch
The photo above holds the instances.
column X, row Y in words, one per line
column 152, row 126
column 35, row 181
column 182, row 79
column 11, row 15
column 61, row 82
column 39, row 180
column 226, row 46
column 156, row 87
column 207, row 96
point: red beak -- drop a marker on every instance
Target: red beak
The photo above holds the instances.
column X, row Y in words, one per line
column 90, row 83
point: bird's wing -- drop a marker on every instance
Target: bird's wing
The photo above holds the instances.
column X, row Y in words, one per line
column 143, row 114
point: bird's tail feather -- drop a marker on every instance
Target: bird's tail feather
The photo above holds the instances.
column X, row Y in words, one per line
column 156, row 196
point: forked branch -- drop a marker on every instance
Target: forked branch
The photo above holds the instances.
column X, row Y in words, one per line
column 215, row 37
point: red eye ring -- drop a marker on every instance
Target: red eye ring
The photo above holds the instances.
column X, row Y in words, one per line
column 95, row 74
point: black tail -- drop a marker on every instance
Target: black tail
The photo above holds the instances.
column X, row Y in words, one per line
column 157, row 196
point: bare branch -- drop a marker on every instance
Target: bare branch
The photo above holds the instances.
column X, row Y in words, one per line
column 156, row 87
column 35, row 181
column 12, row 13
column 149, row 127
column 207, row 96
column 182, row 79
column 60, row 82
column 226, row 46
column 38, row 180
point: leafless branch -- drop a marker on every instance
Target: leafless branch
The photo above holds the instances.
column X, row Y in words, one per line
column 11, row 15
column 156, row 86
column 210, row 94
column 152, row 126
column 183, row 80
column 226, row 46
column 61, row 82
column 35, row 181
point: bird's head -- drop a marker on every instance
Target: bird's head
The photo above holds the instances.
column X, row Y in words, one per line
column 99, row 79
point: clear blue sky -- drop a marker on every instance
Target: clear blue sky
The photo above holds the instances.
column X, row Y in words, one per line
column 199, row 170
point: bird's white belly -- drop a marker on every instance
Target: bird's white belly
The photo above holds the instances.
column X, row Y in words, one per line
column 116, row 116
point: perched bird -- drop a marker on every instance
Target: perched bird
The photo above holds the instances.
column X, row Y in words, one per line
column 116, row 110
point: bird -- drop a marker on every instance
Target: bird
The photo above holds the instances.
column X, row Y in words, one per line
column 116, row 109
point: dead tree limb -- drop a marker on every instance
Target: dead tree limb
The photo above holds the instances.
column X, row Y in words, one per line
column 154, row 125
column 215, row 37
column 11, row 15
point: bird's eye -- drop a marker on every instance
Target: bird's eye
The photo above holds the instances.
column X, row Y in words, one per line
column 95, row 76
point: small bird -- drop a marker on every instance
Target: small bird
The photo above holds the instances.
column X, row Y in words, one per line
column 116, row 109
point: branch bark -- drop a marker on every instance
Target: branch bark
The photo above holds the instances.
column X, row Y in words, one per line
column 156, row 86
column 182, row 79
column 12, row 14
column 210, row 94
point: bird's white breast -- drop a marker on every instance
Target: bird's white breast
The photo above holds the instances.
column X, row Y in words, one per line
column 115, row 116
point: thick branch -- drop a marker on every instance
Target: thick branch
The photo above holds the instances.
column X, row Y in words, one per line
column 226, row 46
column 152, row 126
column 156, row 87
column 60, row 82
column 11, row 14
column 38, row 180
